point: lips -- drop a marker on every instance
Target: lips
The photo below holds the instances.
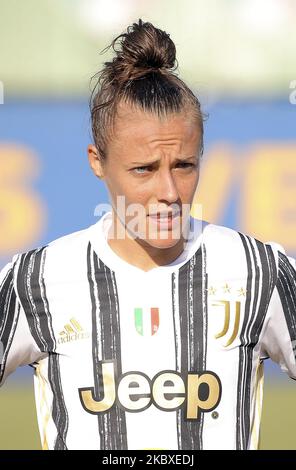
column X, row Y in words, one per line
column 164, row 220
column 165, row 215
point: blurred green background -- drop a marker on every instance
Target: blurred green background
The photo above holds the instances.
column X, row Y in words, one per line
column 228, row 51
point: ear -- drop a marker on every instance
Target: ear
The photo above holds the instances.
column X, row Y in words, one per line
column 95, row 161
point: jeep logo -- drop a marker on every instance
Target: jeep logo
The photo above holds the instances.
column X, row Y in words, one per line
column 168, row 391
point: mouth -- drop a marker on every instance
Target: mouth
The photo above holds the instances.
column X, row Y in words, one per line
column 165, row 220
column 165, row 215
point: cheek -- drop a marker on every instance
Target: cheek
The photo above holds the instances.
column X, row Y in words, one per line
column 139, row 194
column 134, row 192
column 187, row 186
column 115, row 181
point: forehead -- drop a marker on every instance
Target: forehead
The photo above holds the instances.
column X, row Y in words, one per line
column 139, row 128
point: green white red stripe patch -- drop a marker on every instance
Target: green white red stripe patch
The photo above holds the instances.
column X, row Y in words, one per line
column 146, row 326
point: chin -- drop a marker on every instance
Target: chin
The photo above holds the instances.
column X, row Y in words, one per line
column 163, row 243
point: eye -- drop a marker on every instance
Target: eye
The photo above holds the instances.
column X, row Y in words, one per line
column 186, row 165
column 141, row 169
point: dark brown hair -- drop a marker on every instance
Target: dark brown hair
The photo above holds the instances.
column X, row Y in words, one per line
column 141, row 74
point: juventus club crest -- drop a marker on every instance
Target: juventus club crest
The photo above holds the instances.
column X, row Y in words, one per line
column 226, row 301
column 146, row 320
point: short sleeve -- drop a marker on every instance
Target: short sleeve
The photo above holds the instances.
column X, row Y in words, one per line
column 17, row 346
column 279, row 333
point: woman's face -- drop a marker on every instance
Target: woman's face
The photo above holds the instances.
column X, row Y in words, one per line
column 153, row 164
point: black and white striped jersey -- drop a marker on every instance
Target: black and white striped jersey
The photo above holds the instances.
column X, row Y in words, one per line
column 171, row 358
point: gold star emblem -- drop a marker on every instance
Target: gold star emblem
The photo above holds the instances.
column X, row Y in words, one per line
column 242, row 292
column 226, row 289
column 212, row 290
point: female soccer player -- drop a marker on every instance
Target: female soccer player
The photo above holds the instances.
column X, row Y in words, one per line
column 148, row 330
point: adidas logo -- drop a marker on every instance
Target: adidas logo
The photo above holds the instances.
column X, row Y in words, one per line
column 72, row 332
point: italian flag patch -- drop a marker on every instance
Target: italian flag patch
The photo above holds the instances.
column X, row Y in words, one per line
column 146, row 321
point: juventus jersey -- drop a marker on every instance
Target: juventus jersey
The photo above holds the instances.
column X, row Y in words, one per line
column 166, row 359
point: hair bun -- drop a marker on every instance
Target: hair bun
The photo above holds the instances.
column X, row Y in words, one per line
column 147, row 46
column 142, row 49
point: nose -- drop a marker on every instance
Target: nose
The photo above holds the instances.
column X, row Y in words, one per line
column 166, row 187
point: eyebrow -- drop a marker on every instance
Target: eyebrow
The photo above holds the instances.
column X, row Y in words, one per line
column 178, row 159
